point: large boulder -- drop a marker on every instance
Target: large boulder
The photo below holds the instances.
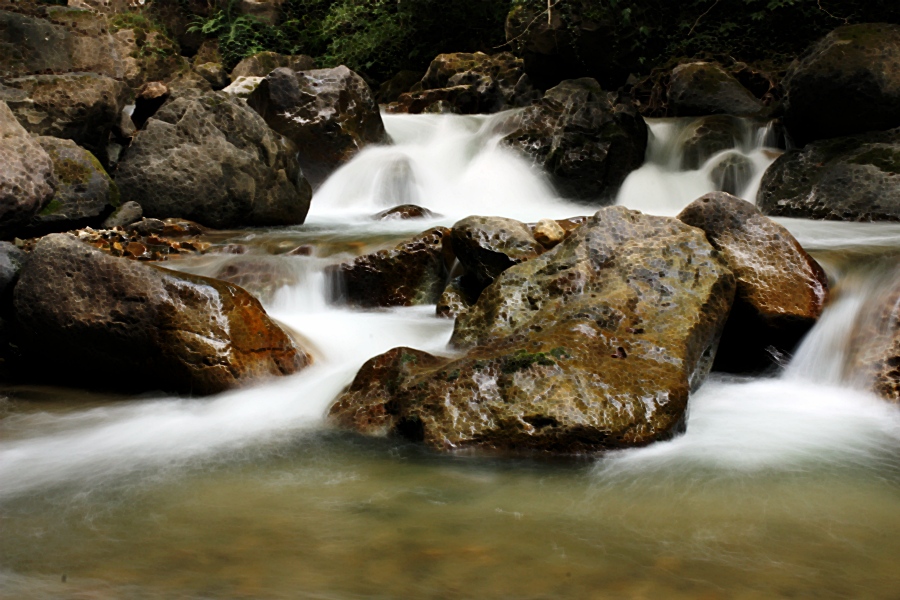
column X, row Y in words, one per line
column 847, row 83
column 26, row 174
column 147, row 53
column 781, row 290
column 594, row 344
column 263, row 63
column 115, row 322
column 66, row 40
column 583, row 138
column 697, row 89
column 82, row 107
column 211, row 159
column 487, row 246
column 330, row 114
column 470, row 84
column 413, row 272
column 855, row 178
column 84, row 193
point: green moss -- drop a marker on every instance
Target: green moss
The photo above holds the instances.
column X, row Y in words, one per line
column 71, row 172
column 52, row 207
column 406, row 357
column 560, row 353
column 454, row 375
column 522, row 360
column 130, row 20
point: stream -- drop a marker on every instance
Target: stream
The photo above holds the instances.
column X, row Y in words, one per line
column 785, row 485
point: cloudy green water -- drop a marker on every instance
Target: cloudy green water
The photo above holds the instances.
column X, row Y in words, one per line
column 785, row 486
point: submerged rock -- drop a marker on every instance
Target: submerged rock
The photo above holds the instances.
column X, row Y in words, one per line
column 583, row 138
column 487, row 246
column 781, row 290
column 404, row 212
column 846, row 83
column 113, row 322
column 594, row 344
column 330, row 114
column 26, row 174
column 855, row 178
column 84, row 194
column 213, row 160
column 413, row 272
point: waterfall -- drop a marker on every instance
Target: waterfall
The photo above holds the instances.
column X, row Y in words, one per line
column 455, row 166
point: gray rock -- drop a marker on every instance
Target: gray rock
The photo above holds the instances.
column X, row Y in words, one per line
column 704, row 88
column 116, row 322
column 487, row 246
column 128, row 213
column 84, row 194
column 845, row 84
column 583, row 138
column 11, row 260
column 855, row 178
column 82, row 107
column 213, row 160
column 330, row 114
column 26, row 174
column 214, row 73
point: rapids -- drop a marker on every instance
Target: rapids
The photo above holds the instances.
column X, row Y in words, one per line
column 783, row 485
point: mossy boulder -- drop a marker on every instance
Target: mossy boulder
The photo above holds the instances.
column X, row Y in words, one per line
column 107, row 321
column 854, row 178
column 585, row 139
column 84, row 193
column 26, row 175
column 65, row 40
column 697, row 89
column 211, row 159
column 595, row 344
column 147, row 53
column 781, row 290
column 845, row 84
column 413, row 272
column 330, row 114
column 82, row 107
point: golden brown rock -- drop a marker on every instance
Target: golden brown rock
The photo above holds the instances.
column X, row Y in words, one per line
column 781, row 289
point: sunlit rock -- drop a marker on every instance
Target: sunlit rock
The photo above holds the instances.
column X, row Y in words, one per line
column 781, row 290
column 107, row 321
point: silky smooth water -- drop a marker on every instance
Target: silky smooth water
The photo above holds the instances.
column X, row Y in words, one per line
column 783, row 486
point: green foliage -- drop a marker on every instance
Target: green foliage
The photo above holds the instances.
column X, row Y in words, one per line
column 375, row 37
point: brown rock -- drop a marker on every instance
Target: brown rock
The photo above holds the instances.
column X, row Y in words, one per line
column 26, row 174
column 548, row 233
column 781, row 289
column 487, row 246
column 413, row 272
column 117, row 322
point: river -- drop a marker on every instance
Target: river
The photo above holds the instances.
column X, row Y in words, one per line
column 785, row 485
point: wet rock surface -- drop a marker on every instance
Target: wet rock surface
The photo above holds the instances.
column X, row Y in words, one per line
column 469, row 84
column 487, row 246
column 84, row 193
column 117, row 323
column 847, row 83
column 594, row 344
column 707, row 137
column 583, row 138
column 26, row 174
column 703, row 88
column 82, row 107
column 213, row 160
column 781, row 290
column 414, row 272
column 404, row 212
column 330, row 114
column 855, row 178
column 874, row 352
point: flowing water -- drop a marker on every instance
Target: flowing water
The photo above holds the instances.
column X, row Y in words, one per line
column 783, row 486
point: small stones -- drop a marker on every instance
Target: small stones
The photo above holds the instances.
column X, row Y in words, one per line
column 548, row 233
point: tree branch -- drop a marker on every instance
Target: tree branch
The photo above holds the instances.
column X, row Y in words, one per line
column 533, row 21
column 697, row 22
